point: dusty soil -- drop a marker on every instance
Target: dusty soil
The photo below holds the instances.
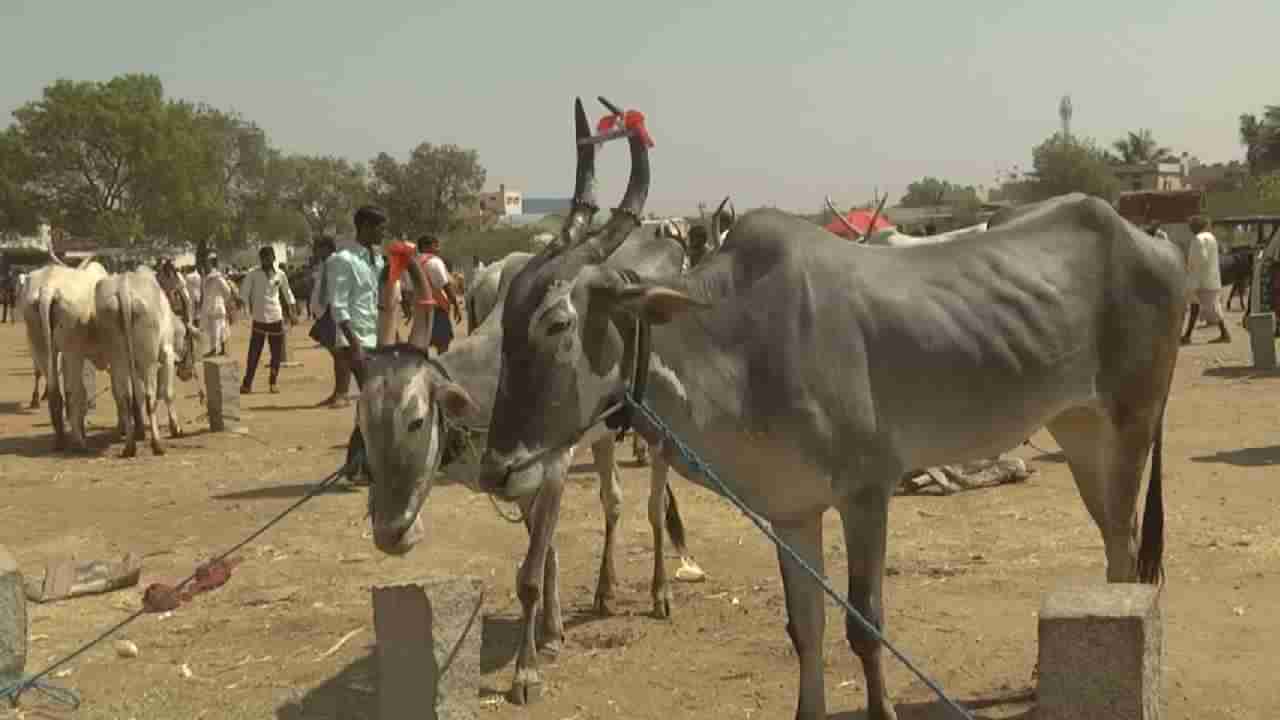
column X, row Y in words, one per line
column 967, row 572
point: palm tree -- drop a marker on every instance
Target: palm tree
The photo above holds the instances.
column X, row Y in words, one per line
column 1141, row 147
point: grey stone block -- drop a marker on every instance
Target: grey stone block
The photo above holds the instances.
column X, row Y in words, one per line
column 13, row 621
column 222, row 393
column 1262, row 339
column 428, row 636
column 1101, row 653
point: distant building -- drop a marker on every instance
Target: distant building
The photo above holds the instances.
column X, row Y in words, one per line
column 503, row 203
column 1151, row 176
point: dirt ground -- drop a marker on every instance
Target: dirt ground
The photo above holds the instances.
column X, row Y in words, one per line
column 967, row 572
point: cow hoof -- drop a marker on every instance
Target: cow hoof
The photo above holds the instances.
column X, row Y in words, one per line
column 662, row 606
column 35, row 405
column 527, row 688
column 157, row 449
column 601, row 605
column 129, row 451
column 550, row 649
column 176, row 431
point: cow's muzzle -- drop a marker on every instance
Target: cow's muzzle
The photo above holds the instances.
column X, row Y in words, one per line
column 400, row 535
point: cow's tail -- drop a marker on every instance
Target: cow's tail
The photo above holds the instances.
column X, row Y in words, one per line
column 45, row 302
column 125, row 301
column 675, row 525
column 1151, row 551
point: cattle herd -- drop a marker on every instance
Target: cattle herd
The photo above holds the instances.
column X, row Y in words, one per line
column 809, row 371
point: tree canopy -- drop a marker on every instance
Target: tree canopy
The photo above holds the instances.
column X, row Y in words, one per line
column 1141, row 147
column 120, row 162
column 1070, row 164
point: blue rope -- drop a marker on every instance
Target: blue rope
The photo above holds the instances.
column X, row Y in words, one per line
column 69, row 697
column 696, row 465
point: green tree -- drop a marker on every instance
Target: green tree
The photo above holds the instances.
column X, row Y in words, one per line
column 930, row 191
column 1071, row 165
column 1261, row 139
column 19, row 208
column 324, row 189
column 428, row 191
column 87, row 146
column 1140, row 147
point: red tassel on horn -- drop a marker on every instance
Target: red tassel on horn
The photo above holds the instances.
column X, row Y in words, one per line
column 633, row 120
column 400, row 255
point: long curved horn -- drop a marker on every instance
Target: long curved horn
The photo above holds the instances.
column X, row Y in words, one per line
column 715, row 221
column 626, row 217
column 845, row 221
column 871, row 226
column 584, row 186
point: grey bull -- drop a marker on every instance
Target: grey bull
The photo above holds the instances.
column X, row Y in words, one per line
column 411, row 427
column 150, row 347
column 811, row 372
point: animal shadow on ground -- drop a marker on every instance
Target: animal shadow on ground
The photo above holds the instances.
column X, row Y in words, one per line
column 42, row 446
column 1244, row 457
column 283, row 408
column 500, row 637
column 1010, row 706
column 282, row 492
column 1240, row 372
column 12, row 407
column 352, row 694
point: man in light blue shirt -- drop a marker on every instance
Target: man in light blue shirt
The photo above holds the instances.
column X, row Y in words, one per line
column 353, row 280
column 354, row 274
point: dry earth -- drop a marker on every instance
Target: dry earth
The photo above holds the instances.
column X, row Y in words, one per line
column 967, row 572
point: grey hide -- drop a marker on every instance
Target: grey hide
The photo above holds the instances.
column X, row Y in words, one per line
column 146, row 341
column 811, row 372
column 404, row 449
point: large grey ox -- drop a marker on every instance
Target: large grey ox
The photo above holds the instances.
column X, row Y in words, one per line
column 58, row 310
column 811, row 372
column 411, row 428
column 149, row 345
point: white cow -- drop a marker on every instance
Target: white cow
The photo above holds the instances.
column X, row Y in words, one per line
column 58, row 309
column 149, row 344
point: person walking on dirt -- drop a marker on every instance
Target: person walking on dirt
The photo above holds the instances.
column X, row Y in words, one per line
column 356, row 275
column 215, row 300
column 261, row 291
column 1205, row 280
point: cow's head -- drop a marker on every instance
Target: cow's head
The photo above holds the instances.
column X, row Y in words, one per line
column 561, row 355
column 403, row 405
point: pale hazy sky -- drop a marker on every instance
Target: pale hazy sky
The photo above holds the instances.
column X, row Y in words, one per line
column 777, row 103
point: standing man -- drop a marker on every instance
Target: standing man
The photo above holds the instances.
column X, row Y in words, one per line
column 215, row 297
column 443, row 302
column 1205, row 279
column 319, row 304
column 192, row 278
column 261, row 291
column 355, row 276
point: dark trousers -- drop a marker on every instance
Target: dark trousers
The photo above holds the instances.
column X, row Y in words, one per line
column 356, row 444
column 273, row 333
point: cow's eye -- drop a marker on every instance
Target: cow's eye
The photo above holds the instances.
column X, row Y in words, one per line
column 416, row 424
column 558, row 327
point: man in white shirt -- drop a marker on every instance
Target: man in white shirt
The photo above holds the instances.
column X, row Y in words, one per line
column 192, row 278
column 1204, row 279
column 215, row 298
column 261, row 293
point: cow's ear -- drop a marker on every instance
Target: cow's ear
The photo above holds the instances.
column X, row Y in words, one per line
column 453, row 399
column 654, row 301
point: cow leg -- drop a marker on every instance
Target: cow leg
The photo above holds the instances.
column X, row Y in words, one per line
column 151, row 407
column 640, row 448
column 76, row 398
column 611, row 500
column 551, row 619
column 53, row 388
column 166, row 391
column 123, row 393
column 541, row 516
column 1107, row 462
column 35, row 391
column 865, row 517
column 660, row 589
column 806, row 617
